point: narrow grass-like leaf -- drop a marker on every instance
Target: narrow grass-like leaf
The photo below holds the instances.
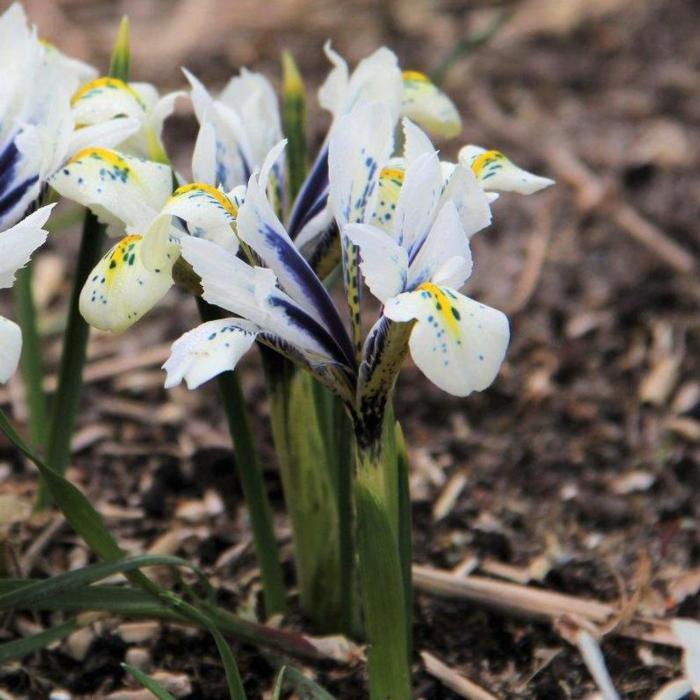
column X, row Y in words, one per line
column 18, row 648
column 304, row 687
column 29, row 595
column 149, row 683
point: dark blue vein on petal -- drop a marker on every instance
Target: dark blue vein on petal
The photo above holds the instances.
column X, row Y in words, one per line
column 312, row 287
column 313, row 189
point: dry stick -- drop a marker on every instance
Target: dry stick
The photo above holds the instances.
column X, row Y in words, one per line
column 533, row 603
column 592, row 194
column 453, row 680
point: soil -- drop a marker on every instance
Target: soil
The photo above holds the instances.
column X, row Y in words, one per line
column 581, row 462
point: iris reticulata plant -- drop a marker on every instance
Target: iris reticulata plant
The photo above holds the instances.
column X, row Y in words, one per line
column 257, row 235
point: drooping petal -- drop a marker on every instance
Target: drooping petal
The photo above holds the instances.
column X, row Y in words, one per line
column 121, row 190
column 120, row 289
column 259, row 227
column 10, row 348
column 458, row 343
column 208, row 350
column 446, row 241
column 496, row 172
column 104, row 99
column 18, row 243
column 688, row 634
column 251, row 293
column 427, row 105
column 384, row 263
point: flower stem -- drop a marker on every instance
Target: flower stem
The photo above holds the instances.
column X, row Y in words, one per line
column 70, row 374
column 250, row 474
column 381, row 570
column 32, row 365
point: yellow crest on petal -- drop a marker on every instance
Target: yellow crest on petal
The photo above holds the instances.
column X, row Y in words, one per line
column 100, row 86
column 428, row 106
column 204, row 190
column 390, row 183
column 443, row 299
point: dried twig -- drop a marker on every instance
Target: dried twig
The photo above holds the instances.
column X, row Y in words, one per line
column 453, row 680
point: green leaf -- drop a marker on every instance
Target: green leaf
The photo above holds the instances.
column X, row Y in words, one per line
column 148, row 683
column 304, row 687
column 18, row 648
column 294, row 123
column 120, row 62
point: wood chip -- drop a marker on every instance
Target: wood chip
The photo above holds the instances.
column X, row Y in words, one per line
column 453, row 680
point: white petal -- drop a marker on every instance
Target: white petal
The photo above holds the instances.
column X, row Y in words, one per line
column 384, row 263
column 104, row 99
column 10, row 348
column 120, row 290
column 415, row 142
column 204, row 155
column 593, row 658
column 471, row 201
column 427, row 105
column 688, row 634
column 104, row 135
column 358, row 150
column 496, row 172
column 390, row 182
column 332, row 93
column 675, row 690
column 208, row 350
column 457, row 343
column 445, row 242
column 121, row 190
column 418, row 201
column 19, row 242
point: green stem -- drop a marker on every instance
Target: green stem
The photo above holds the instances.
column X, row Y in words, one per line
column 70, row 374
column 381, row 572
column 32, row 365
column 302, row 426
column 252, row 483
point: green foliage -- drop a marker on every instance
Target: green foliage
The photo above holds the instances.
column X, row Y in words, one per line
column 294, row 123
column 120, row 63
column 149, row 683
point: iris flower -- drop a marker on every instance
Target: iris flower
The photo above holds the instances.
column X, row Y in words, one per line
column 16, row 247
column 37, row 129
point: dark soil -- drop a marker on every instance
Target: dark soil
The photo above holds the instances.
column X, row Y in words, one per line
column 586, row 449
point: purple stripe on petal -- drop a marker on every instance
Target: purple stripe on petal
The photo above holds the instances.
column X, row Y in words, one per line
column 315, row 187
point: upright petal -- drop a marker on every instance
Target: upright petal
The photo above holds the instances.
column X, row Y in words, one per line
column 10, row 348
column 121, row 190
column 495, row 172
column 384, row 263
column 120, row 289
column 472, row 203
column 427, row 105
column 446, row 241
column 359, row 148
column 457, row 343
column 208, row 350
column 18, row 243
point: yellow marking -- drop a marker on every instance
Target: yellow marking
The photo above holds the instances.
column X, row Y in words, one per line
column 395, row 174
column 487, row 157
column 213, row 192
column 108, row 83
column 416, row 76
column 103, row 154
column 443, row 306
column 122, row 253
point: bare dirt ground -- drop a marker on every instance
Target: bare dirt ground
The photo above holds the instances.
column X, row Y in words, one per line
column 578, row 471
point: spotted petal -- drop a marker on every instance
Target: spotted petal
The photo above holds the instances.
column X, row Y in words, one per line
column 424, row 103
column 18, row 243
column 496, row 172
column 457, row 343
column 120, row 289
column 121, row 190
column 104, row 99
column 208, row 350
column 10, row 348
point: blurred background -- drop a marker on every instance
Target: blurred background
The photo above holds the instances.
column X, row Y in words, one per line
column 579, row 468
